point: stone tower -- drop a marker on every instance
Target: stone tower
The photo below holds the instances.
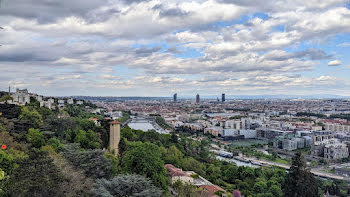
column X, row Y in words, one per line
column 114, row 136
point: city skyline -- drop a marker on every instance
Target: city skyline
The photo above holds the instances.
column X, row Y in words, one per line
column 175, row 96
column 102, row 48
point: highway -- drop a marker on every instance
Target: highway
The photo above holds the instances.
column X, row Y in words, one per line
column 316, row 171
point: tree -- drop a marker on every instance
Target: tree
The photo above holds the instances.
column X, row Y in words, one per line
column 35, row 176
column 276, row 191
column 31, row 116
column 35, row 137
column 259, row 187
column 230, row 174
column 75, row 182
column 2, row 177
column 88, row 140
column 204, row 150
column 186, row 189
column 122, row 149
column 62, row 127
column 145, row 159
column 7, row 163
column 128, row 133
column 6, row 98
column 174, row 138
column 173, row 156
column 300, row 182
column 236, row 193
column 126, row 185
column 55, row 143
column 2, row 174
column 93, row 162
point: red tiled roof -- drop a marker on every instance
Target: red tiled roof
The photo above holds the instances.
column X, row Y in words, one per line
column 212, row 188
column 173, row 171
column 93, row 118
column 114, row 122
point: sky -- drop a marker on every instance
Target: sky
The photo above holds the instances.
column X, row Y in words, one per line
column 162, row 47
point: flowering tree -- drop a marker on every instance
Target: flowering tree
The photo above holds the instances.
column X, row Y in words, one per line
column 236, row 193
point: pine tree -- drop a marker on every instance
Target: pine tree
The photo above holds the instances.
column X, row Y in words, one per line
column 126, row 185
column 300, row 182
column 174, row 138
column 35, row 176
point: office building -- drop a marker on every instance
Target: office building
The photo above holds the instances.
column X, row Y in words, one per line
column 175, row 97
column 223, row 97
column 197, row 98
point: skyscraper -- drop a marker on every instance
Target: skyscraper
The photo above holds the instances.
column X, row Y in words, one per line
column 197, row 98
column 223, row 97
column 175, row 97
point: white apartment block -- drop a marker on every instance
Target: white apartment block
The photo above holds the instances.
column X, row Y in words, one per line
column 233, row 124
column 70, row 101
column 248, row 134
column 21, row 97
column 335, row 151
column 337, row 128
column 51, row 100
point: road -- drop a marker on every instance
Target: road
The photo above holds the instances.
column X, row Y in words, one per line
column 315, row 171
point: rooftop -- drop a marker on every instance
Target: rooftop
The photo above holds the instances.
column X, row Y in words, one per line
column 114, row 122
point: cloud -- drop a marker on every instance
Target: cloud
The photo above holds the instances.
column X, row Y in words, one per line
column 313, row 54
column 147, row 51
column 48, row 11
column 325, row 78
column 170, row 45
column 172, row 12
column 334, row 63
column 107, row 76
column 174, row 50
column 344, row 44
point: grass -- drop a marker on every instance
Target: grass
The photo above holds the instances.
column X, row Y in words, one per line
column 282, row 161
column 331, row 171
column 252, row 152
column 249, row 142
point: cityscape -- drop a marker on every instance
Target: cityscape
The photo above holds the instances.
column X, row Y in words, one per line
column 175, row 98
column 249, row 133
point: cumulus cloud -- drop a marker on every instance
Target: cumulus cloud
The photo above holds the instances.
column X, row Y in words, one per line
column 312, row 54
column 344, row 44
column 48, row 11
column 334, row 63
column 166, row 45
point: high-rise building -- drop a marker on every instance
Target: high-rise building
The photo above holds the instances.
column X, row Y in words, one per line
column 197, row 98
column 223, row 97
column 114, row 136
column 175, row 97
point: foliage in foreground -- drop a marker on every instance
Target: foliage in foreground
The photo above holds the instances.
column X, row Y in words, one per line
column 300, row 182
column 126, row 185
column 92, row 162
